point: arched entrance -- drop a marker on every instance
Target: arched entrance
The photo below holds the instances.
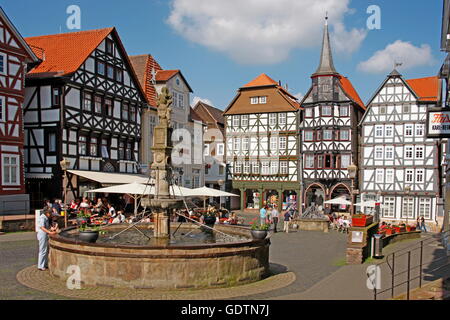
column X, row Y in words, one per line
column 341, row 191
column 314, row 195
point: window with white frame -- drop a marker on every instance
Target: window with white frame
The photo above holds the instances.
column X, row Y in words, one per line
column 274, row 167
column 206, row 153
column 409, row 152
column 244, row 120
column 3, row 63
column 246, row 167
column 273, row 144
column 309, row 112
column 328, row 135
column 263, row 100
column 345, row 161
column 409, row 175
column 87, row 102
column 425, row 208
column 236, row 121
column 419, row 152
column 272, row 119
column 408, row 130
column 378, row 153
column 408, row 208
column 283, row 167
column 345, row 135
column 309, row 135
column 343, row 111
column 82, row 145
column 265, row 167
column 389, row 175
column 309, row 161
column 420, row 130
column 379, row 176
column 2, row 109
column 11, row 170
column 237, row 167
column 245, row 144
column 326, row 111
column 255, row 167
column 282, row 143
column 282, row 118
column 93, row 146
column 379, row 131
column 389, row 153
column 419, row 175
column 254, row 100
column 220, row 149
column 236, row 144
column 389, row 131
column 389, row 207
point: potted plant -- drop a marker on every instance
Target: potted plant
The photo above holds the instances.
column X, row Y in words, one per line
column 361, row 220
column 88, row 233
column 83, row 218
column 209, row 217
column 259, row 231
column 410, row 228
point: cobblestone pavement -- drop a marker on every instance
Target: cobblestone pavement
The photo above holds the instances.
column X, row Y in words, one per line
column 309, row 265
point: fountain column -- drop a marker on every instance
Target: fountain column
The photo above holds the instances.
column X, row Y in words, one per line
column 161, row 168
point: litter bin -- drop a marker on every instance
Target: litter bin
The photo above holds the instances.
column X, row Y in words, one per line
column 377, row 246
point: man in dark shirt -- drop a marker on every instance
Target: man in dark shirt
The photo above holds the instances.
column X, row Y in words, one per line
column 287, row 219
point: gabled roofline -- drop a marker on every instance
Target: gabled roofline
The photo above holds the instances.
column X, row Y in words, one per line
column 181, row 74
column 22, row 41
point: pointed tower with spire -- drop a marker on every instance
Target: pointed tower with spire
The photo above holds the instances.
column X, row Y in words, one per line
column 329, row 144
column 326, row 66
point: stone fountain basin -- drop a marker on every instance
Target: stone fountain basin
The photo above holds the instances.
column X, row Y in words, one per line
column 162, row 267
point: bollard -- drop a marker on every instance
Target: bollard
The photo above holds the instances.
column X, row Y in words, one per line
column 378, row 246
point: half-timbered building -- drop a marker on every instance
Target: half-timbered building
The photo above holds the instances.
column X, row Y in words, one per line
column 332, row 111
column 83, row 104
column 262, row 151
column 16, row 57
column 400, row 165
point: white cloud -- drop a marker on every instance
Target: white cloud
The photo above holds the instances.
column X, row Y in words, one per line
column 260, row 31
column 402, row 52
column 196, row 99
column 347, row 41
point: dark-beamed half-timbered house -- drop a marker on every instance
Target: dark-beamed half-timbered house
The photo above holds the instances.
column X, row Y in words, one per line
column 400, row 166
column 16, row 57
column 262, row 152
column 83, row 103
column 332, row 111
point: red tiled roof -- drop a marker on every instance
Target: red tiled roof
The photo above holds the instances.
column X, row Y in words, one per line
column 260, row 81
column 143, row 66
column 427, row 89
column 350, row 90
column 64, row 53
column 165, row 75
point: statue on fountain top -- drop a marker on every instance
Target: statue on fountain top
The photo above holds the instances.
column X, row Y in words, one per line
column 164, row 105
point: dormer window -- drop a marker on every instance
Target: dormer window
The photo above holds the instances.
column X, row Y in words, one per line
column 258, row 100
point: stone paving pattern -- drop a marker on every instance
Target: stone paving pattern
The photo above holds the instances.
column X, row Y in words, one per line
column 307, row 265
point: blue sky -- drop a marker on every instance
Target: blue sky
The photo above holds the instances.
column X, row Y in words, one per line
column 217, row 62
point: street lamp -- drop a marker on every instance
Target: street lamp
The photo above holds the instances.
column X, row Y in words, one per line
column 352, row 171
column 65, row 164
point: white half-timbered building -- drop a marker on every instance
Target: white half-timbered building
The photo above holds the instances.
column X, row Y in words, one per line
column 83, row 103
column 16, row 58
column 400, row 166
column 329, row 124
column 262, row 150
